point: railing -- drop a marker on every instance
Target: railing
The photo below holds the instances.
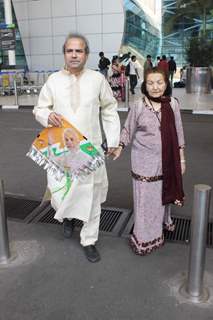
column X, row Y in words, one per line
column 24, row 82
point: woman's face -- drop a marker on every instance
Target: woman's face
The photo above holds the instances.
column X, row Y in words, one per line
column 155, row 85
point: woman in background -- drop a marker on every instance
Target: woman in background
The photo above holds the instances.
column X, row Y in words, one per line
column 116, row 78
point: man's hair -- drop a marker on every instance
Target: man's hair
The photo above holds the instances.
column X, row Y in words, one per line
column 148, row 56
column 101, row 54
column 76, row 36
column 133, row 58
column 168, row 90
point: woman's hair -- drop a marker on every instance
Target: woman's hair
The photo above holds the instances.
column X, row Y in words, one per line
column 168, row 90
column 114, row 59
column 77, row 36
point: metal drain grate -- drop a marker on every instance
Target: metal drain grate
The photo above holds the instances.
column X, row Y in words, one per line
column 18, row 208
column 112, row 220
column 181, row 232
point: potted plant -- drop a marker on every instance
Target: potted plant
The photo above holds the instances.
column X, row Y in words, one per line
column 199, row 51
column 199, row 55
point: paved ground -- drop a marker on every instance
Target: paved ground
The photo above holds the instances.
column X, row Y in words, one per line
column 23, row 177
column 52, row 280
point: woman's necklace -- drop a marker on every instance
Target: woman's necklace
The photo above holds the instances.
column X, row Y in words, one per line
column 156, row 113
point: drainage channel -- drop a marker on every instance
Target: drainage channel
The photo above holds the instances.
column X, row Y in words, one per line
column 114, row 221
column 181, row 233
column 18, row 208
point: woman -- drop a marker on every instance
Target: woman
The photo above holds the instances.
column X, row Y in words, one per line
column 155, row 128
column 116, row 78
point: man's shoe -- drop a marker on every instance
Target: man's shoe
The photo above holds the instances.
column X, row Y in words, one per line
column 68, row 227
column 92, row 253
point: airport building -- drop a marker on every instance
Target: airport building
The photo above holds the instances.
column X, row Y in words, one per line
column 113, row 26
column 177, row 29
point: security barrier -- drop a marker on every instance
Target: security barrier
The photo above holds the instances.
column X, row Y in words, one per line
column 24, row 82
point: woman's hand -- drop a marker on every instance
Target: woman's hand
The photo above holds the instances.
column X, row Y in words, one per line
column 182, row 160
column 183, row 167
column 55, row 119
column 115, row 152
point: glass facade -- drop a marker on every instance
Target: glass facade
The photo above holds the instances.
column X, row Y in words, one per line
column 20, row 56
column 140, row 31
column 177, row 29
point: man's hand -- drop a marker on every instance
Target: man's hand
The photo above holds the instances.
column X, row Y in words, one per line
column 115, row 152
column 55, row 119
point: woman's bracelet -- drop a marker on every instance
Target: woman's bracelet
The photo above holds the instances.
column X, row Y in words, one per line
column 122, row 145
column 183, row 161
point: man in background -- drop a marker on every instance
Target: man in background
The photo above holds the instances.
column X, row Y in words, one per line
column 103, row 64
column 163, row 65
column 133, row 74
column 147, row 64
column 172, row 69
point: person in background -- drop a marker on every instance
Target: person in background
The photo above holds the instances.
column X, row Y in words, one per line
column 154, row 129
column 133, row 74
column 163, row 65
column 125, row 59
column 183, row 75
column 81, row 96
column 172, row 69
column 115, row 79
column 158, row 60
column 147, row 64
column 103, row 64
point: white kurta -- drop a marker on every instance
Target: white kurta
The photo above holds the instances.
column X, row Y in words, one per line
column 80, row 100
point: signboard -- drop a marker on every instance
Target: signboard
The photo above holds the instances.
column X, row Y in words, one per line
column 7, row 39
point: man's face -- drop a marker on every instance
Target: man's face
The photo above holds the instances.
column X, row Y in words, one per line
column 75, row 56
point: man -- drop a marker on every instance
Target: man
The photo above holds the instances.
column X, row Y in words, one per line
column 79, row 94
column 147, row 64
column 172, row 69
column 158, row 60
column 163, row 65
column 133, row 74
column 103, row 64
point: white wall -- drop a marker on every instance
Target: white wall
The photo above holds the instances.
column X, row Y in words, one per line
column 44, row 24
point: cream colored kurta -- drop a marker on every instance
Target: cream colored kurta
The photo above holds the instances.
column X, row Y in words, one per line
column 80, row 100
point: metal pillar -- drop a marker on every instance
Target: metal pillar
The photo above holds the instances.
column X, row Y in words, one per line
column 15, row 91
column 193, row 289
column 4, row 240
column 9, row 20
column 127, row 93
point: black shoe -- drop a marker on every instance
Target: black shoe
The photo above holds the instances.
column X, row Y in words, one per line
column 68, row 227
column 92, row 253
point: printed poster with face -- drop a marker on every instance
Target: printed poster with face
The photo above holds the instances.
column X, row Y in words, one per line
column 65, row 151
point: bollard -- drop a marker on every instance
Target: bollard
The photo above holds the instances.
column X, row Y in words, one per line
column 15, row 92
column 193, row 289
column 127, row 93
column 4, row 240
